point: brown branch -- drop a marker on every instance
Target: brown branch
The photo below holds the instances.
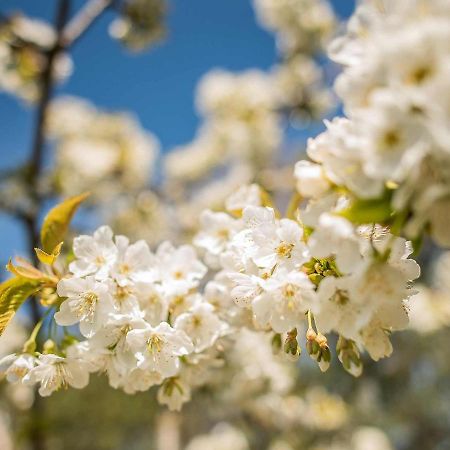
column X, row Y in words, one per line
column 47, row 76
column 66, row 36
column 37, row 435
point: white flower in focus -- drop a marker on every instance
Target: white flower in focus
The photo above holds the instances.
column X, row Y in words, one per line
column 273, row 242
column 181, row 303
column 180, row 269
column 287, row 297
column 335, row 236
column 134, row 262
column 159, row 348
column 55, row 372
column 139, row 380
column 152, row 302
column 202, row 326
column 246, row 289
column 95, row 254
column 216, row 231
column 88, row 302
column 337, row 310
column 217, row 294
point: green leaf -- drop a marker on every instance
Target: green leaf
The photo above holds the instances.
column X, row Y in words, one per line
column 47, row 259
column 57, row 222
column 13, row 293
column 369, row 211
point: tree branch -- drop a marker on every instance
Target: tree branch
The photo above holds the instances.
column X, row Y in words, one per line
column 37, row 436
column 35, row 166
column 82, row 21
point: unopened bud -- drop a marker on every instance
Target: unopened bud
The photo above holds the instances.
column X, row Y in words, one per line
column 49, row 347
column 311, row 335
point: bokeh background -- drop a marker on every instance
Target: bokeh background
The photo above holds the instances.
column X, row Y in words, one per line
column 158, row 86
column 400, row 403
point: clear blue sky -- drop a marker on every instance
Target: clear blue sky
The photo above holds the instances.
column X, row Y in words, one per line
column 157, row 85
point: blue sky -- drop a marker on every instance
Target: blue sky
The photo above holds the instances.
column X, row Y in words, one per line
column 157, row 85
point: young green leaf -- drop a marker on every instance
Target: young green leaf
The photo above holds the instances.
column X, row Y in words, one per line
column 57, row 222
column 46, row 258
column 13, row 293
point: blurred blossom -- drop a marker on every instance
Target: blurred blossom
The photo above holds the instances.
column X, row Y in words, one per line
column 299, row 85
column 13, row 337
column 241, row 111
column 280, row 445
column 241, row 125
column 370, row 438
column 430, row 307
column 192, row 161
column 21, row 396
column 6, row 442
column 107, row 153
column 141, row 23
column 23, row 44
column 222, row 437
column 144, row 216
column 300, row 25
column 211, row 194
column 324, row 411
column 259, row 367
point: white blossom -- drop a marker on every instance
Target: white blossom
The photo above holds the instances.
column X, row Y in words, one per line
column 54, row 372
column 159, row 348
column 95, row 254
column 88, row 302
column 202, row 326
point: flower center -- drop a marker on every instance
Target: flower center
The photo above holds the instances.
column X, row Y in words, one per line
column 284, row 250
column 155, row 343
column 86, row 307
column 289, row 290
column 223, row 234
column 124, row 269
column 341, row 297
column 99, row 261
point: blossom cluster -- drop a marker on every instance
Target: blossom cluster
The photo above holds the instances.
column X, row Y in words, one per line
column 352, row 280
column 241, row 124
column 143, row 319
column 157, row 319
column 23, row 43
column 303, row 29
column 392, row 148
column 108, row 153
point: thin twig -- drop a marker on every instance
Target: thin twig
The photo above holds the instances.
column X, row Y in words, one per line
column 82, row 21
